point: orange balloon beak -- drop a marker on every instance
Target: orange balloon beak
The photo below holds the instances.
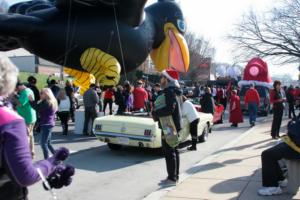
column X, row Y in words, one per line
column 173, row 52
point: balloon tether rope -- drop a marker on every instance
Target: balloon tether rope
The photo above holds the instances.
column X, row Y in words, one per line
column 120, row 44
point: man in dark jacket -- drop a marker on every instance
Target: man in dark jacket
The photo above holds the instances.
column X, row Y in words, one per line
column 32, row 85
column 120, row 100
column 90, row 101
column 207, row 102
column 291, row 101
column 169, row 81
column 70, row 93
column 52, row 84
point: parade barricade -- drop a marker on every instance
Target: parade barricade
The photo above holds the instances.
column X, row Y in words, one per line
column 79, row 120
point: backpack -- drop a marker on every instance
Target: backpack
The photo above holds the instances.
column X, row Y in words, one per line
column 293, row 131
column 167, row 123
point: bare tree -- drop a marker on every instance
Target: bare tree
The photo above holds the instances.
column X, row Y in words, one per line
column 199, row 49
column 276, row 34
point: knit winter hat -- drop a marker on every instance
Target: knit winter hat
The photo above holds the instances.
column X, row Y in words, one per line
column 172, row 76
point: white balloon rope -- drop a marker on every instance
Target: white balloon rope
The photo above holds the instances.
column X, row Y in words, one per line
column 46, row 183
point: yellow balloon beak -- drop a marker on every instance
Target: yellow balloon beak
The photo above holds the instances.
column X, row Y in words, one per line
column 173, row 52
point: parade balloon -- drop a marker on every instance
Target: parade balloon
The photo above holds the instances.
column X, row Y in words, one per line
column 99, row 37
column 256, row 72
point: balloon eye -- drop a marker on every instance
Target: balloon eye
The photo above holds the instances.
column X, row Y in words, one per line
column 181, row 25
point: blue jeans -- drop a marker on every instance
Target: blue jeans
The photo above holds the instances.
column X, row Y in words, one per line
column 46, row 135
column 252, row 109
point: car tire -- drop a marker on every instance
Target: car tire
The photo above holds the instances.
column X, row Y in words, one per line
column 114, row 147
column 204, row 136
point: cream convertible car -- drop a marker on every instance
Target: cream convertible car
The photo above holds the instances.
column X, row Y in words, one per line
column 139, row 130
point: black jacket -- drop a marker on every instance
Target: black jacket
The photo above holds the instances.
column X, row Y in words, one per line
column 173, row 98
column 207, row 103
column 120, row 99
column 35, row 91
column 290, row 97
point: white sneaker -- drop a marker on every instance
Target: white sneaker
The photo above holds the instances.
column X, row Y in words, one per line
column 283, row 183
column 269, row 191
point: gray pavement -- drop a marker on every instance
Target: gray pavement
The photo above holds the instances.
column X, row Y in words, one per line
column 128, row 174
column 234, row 173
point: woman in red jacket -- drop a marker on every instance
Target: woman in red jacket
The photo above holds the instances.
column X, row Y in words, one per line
column 277, row 100
column 236, row 115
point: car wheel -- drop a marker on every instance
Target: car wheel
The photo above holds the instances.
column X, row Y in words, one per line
column 114, row 146
column 204, row 136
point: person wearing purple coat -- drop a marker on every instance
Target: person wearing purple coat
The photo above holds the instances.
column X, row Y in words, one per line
column 17, row 170
column 46, row 108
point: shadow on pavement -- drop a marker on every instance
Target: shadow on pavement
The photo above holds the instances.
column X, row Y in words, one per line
column 220, row 189
column 57, row 138
column 227, row 128
column 102, row 159
column 249, row 190
column 206, row 167
column 239, row 148
column 270, row 144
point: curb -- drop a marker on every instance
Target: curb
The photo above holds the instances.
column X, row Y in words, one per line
column 158, row 194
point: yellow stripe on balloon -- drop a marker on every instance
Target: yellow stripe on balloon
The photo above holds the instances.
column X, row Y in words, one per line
column 81, row 79
column 103, row 66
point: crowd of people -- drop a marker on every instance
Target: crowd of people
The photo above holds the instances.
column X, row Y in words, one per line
column 39, row 110
column 17, row 169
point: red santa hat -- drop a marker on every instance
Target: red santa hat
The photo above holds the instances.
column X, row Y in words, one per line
column 256, row 72
column 172, row 76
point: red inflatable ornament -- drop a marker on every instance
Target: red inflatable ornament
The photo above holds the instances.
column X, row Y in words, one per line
column 256, row 72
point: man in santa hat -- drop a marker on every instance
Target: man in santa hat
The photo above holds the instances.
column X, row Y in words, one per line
column 171, row 90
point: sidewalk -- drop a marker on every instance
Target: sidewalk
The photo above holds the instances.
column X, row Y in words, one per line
column 233, row 173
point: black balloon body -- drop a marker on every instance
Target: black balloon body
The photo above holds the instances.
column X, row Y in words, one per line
column 101, row 38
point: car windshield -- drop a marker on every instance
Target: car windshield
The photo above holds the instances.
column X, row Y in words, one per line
column 262, row 91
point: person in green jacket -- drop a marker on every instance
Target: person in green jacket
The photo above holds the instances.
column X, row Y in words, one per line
column 25, row 110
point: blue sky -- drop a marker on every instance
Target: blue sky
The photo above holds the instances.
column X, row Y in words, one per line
column 12, row 1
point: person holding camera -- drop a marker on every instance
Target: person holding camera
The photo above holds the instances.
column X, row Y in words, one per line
column 168, row 104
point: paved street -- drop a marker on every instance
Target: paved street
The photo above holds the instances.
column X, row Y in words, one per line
column 130, row 173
